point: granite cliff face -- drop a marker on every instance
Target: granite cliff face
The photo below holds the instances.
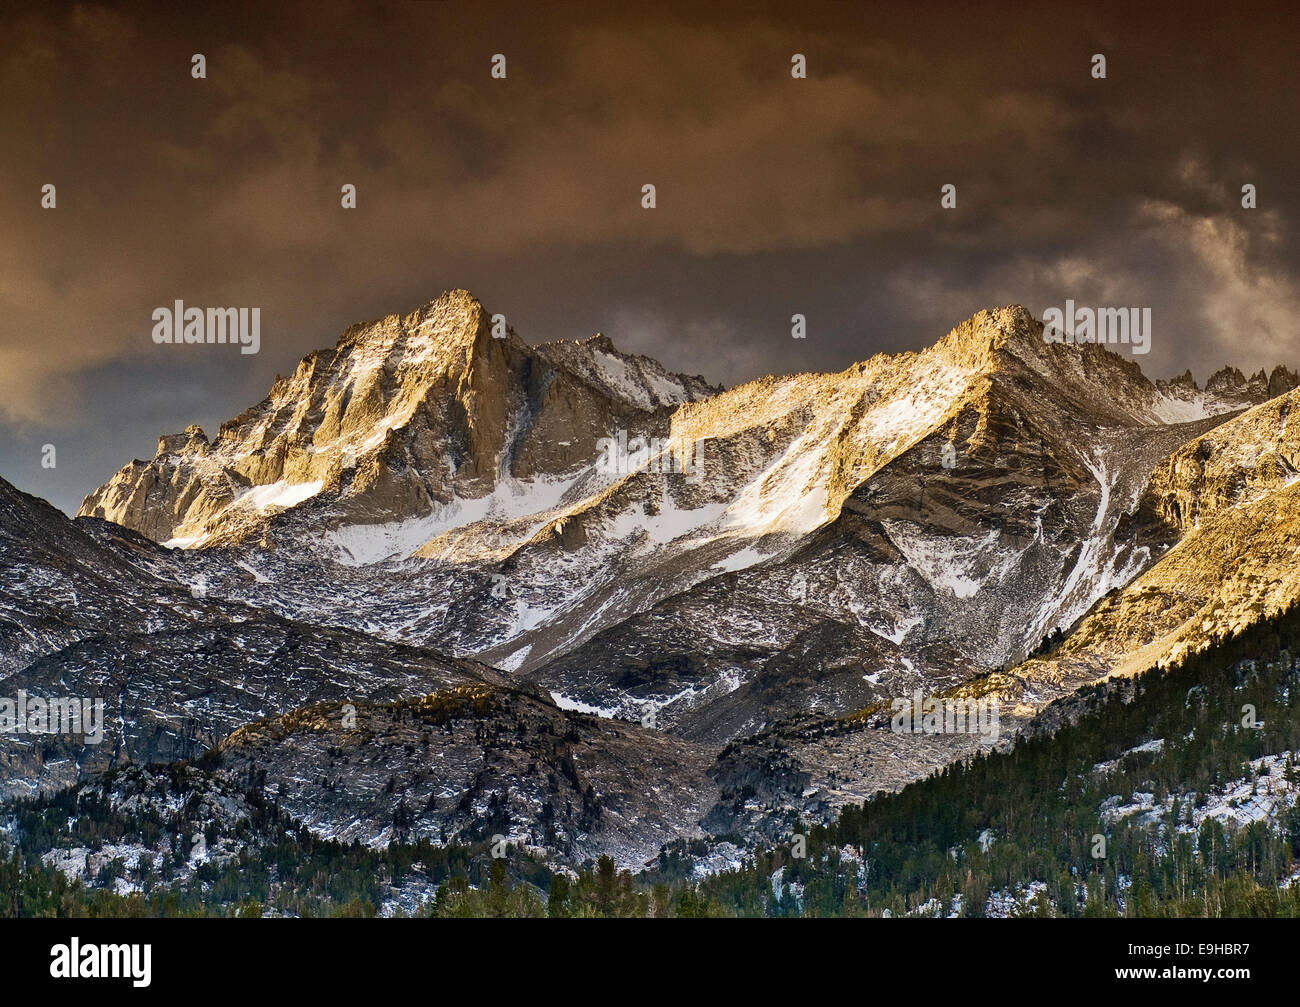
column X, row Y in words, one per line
column 403, row 415
column 1226, row 509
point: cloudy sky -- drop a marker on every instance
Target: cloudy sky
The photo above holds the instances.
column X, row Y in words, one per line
column 775, row 195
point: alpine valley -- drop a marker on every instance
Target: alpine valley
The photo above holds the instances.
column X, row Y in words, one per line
column 443, row 625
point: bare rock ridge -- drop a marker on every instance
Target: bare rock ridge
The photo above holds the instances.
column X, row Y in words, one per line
column 403, row 414
column 978, row 490
column 408, row 413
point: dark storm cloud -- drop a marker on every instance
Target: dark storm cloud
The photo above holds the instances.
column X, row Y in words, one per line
column 775, row 196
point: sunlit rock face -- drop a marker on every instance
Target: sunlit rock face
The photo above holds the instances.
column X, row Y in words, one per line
column 401, row 416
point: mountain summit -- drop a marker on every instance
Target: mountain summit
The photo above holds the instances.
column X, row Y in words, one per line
column 405, row 414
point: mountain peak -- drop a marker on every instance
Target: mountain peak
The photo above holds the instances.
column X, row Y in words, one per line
column 978, row 342
column 453, row 322
column 193, row 439
column 405, row 414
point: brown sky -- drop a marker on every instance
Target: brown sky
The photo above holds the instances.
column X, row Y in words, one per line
column 775, row 195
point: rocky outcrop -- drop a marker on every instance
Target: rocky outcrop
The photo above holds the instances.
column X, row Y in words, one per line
column 465, row 764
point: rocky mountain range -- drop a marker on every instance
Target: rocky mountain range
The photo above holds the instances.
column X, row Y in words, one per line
column 441, row 583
